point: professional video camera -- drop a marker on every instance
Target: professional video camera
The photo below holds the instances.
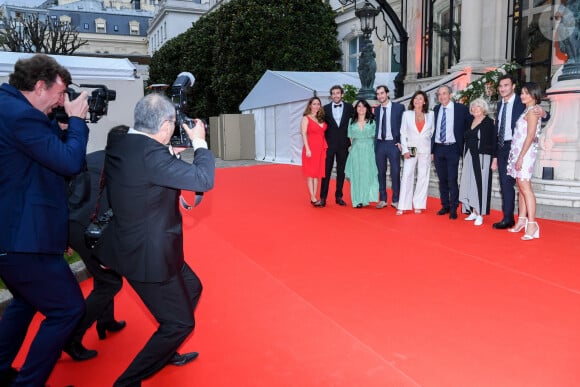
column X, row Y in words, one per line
column 178, row 94
column 98, row 103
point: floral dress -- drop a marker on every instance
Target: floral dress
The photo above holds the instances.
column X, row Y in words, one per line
column 520, row 133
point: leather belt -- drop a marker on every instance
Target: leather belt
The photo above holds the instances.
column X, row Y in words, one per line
column 445, row 143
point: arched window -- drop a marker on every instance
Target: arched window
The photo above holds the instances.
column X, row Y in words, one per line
column 100, row 26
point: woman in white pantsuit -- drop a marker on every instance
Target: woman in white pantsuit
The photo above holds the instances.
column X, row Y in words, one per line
column 417, row 128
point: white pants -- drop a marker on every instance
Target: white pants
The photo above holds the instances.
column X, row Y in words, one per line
column 417, row 200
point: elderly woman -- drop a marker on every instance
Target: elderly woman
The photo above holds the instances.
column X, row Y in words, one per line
column 475, row 187
column 521, row 160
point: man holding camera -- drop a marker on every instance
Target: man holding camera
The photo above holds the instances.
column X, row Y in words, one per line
column 33, row 207
column 144, row 241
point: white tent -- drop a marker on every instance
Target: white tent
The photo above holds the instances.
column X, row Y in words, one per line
column 278, row 101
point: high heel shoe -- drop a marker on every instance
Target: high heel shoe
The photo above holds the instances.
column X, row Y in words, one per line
column 521, row 225
column 113, row 326
column 535, row 235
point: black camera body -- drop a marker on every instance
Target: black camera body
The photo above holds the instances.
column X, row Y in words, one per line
column 98, row 103
column 94, row 230
column 178, row 94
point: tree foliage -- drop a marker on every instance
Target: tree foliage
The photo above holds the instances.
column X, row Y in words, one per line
column 33, row 34
column 229, row 49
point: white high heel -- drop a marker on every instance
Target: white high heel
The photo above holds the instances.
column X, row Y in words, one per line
column 535, row 235
column 520, row 226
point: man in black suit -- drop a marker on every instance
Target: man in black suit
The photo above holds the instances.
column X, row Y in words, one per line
column 84, row 190
column 144, row 241
column 337, row 115
column 509, row 109
column 388, row 144
column 451, row 121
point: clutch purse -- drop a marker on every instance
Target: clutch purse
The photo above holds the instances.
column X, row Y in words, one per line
column 412, row 151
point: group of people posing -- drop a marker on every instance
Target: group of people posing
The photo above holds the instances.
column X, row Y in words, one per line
column 366, row 140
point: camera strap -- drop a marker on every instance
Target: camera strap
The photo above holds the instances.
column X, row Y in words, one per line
column 95, row 214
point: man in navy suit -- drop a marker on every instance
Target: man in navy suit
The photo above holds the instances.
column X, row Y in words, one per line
column 388, row 117
column 337, row 115
column 509, row 109
column 144, row 241
column 33, row 207
column 451, row 121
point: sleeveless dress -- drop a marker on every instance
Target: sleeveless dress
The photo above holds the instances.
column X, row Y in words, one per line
column 314, row 166
column 361, row 167
column 520, row 133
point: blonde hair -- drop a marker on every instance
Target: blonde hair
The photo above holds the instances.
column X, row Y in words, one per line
column 482, row 103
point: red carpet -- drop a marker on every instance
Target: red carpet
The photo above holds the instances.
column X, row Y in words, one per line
column 300, row 296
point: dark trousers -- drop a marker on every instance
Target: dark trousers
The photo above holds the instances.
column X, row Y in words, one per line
column 106, row 284
column 39, row 283
column 386, row 150
column 172, row 303
column 446, row 158
column 341, row 156
column 506, row 183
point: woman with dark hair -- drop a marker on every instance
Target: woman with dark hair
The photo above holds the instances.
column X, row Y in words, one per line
column 314, row 150
column 417, row 128
column 361, row 167
column 522, row 158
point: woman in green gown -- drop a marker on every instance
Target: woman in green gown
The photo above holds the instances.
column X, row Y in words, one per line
column 361, row 167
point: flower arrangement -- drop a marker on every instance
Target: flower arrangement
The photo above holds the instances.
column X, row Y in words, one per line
column 486, row 85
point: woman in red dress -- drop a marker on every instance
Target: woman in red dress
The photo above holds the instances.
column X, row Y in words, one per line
column 314, row 150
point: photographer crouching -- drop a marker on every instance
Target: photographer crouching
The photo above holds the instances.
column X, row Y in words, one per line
column 144, row 240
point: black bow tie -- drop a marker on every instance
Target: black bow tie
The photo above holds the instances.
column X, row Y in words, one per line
column 337, row 106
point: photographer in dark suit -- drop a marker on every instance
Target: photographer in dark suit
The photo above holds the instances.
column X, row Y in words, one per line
column 33, row 208
column 144, row 241
column 84, row 190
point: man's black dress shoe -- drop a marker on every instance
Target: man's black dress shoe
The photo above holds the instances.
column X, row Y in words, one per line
column 321, row 203
column 340, row 202
column 453, row 214
column 182, row 359
column 112, row 326
column 7, row 377
column 503, row 225
column 443, row 211
column 77, row 352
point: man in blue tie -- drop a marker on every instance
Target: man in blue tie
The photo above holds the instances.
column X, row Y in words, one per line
column 451, row 122
column 388, row 144
column 509, row 110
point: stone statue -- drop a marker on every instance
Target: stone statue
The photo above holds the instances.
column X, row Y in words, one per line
column 569, row 31
column 366, row 70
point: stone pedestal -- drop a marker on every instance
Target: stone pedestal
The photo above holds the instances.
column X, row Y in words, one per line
column 560, row 138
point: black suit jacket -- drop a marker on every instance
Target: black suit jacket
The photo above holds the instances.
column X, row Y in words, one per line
column 337, row 135
column 84, row 190
column 461, row 122
column 397, row 111
column 144, row 241
column 517, row 109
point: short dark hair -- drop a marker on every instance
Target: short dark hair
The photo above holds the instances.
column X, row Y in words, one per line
column 534, row 90
column 425, row 98
column 39, row 67
column 507, row 76
column 337, row 87
column 384, row 87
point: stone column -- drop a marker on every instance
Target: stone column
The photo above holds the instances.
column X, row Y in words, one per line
column 471, row 27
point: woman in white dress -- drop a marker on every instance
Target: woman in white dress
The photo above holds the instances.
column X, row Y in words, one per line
column 417, row 128
column 522, row 158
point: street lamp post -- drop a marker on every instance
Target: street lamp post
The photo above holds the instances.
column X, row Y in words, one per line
column 367, row 66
